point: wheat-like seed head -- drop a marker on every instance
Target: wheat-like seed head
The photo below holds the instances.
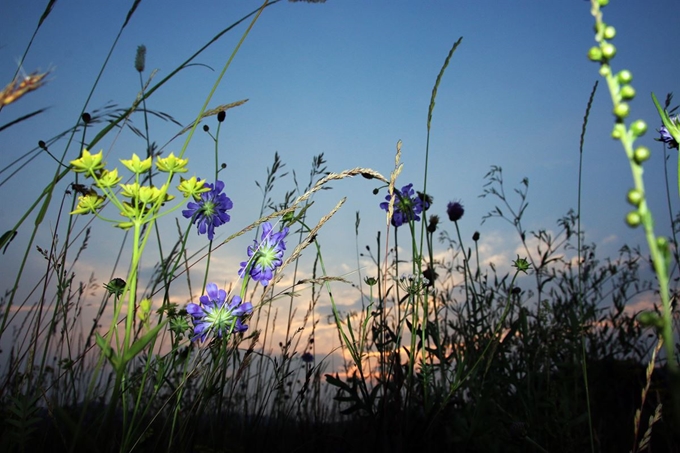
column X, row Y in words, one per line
column 19, row 87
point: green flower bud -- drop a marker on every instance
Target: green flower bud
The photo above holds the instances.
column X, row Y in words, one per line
column 370, row 281
column 641, row 154
column 621, row 110
column 627, row 92
column 633, row 219
column 289, row 218
column 605, row 70
column 609, row 32
column 624, row 76
column 617, row 132
column 595, row 54
column 635, row 197
column 608, row 50
column 115, row 287
column 602, row 2
column 638, row 128
column 521, row 264
column 662, row 243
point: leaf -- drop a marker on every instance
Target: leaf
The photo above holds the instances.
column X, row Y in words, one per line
column 6, row 238
column 335, row 381
column 140, row 344
column 107, row 350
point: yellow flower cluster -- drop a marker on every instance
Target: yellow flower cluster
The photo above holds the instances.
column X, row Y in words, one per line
column 140, row 200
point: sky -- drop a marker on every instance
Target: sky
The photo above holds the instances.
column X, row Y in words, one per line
column 348, row 78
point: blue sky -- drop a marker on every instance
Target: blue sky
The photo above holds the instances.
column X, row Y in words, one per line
column 350, row 78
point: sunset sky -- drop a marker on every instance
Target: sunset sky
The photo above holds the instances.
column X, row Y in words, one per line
column 347, row 78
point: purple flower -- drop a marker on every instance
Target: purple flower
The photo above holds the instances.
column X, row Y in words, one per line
column 217, row 317
column 266, row 256
column 667, row 138
column 307, row 357
column 407, row 206
column 455, row 211
column 210, row 211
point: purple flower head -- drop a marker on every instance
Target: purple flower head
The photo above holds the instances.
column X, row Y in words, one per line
column 455, row 211
column 210, row 211
column 407, row 206
column 307, row 357
column 265, row 257
column 217, row 317
column 666, row 136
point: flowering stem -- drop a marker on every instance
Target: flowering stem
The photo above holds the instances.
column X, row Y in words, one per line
column 658, row 246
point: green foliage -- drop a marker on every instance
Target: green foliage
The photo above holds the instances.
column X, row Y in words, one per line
column 447, row 351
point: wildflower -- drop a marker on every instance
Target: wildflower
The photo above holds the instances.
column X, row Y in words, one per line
column 266, row 256
column 108, row 179
column 172, row 164
column 88, row 163
column 307, row 357
column 211, row 210
column 136, row 165
column 407, row 206
column 88, row 204
column 665, row 135
column 214, row 315
column 192, row 187
column 455, row 211
column 413, row 284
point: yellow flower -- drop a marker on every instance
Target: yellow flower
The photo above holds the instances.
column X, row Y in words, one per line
column 172, row 164
column 88, row 163
column 192, row 187
column 130, row 190
column 129, row 211
column 108, row 179
column 148, row 195
column 88, row 204
column 136, row 165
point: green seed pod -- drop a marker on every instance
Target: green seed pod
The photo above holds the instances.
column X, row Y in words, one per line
column 635, row 197
column 595, row 54
column 627, row 92
column 641, row 154
column 609, row 32
column 602, row 2
column 638, row 128
column 621, row 110
column 605, row 70
column 633, row 219
column 617, row 132
column 608, row 50
column 624, row 77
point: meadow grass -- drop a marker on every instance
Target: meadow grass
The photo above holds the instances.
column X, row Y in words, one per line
column 443, row 350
